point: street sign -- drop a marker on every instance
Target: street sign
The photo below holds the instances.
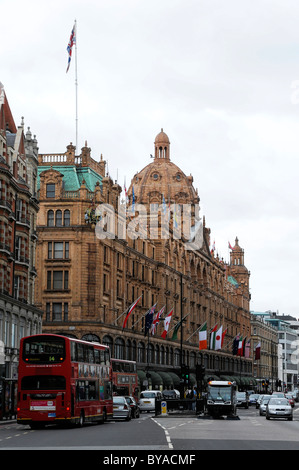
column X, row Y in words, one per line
column 163, row 407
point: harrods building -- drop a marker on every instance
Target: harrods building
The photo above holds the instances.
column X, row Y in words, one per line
column 85, row 282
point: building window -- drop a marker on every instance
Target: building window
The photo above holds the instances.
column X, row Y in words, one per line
column 57, row 280
column 16, row 287
column 66, row 250
column 67, row 218
column 58, row 250
column 19, row 206
column 18, row 248
column 50, row 219
column 66, row 311
column 48, row 311
column 58, row 218
column 50, row 190
column 57, row 311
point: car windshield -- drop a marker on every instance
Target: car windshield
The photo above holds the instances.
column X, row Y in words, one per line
column 241, row 395
column 147, row 395
column 118, row 400
column 278, row 401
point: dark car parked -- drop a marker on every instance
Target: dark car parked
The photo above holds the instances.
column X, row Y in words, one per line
column 134, row 406
column 172, row 394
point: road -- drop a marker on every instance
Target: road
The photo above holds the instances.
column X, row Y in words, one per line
column 149, row 433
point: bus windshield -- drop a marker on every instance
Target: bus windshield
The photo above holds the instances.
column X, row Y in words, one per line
column 219, row 393
column 44, row 350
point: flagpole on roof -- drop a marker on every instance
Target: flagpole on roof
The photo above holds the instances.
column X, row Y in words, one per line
column 76, row 86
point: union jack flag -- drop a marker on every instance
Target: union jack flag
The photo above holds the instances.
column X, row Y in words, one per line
column 69, row 48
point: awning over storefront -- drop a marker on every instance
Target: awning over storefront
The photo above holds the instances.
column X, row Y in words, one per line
column 157, row 380
column 175, row 379
column 142, row 379
column 167, row 380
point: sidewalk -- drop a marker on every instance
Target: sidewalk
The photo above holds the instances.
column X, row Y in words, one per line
column 7, row 421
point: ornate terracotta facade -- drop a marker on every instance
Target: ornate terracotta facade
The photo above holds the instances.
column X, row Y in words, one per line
column 86, row 283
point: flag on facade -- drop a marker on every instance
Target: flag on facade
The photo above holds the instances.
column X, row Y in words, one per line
column 247, row 348
column 203, row 337
column 218, row 339
column 240, row 346
column 243, row 346
column 166, row 323
column 236, row 344
column 229, row 245
column 258, row 351
column 69, row 48
column 175, row 332
column 223, row 335
column 156, row 320
column 149, row 319
column 213, row 337
column 130, row 310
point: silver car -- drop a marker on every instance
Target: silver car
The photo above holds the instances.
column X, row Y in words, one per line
column 121, row 409
column 263, row 404
column 279, row 408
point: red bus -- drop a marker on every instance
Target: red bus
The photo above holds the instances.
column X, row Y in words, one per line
column 124, row 377
column 63, row 380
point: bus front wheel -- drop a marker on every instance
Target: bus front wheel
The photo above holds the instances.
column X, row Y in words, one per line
column 81, row 419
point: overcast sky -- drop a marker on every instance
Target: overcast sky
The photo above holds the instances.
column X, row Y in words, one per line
column 221, row 77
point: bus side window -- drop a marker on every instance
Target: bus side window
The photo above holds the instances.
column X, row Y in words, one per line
column 73, row 351
column 97, row 356
column 107, row 357
column 80, row 352
column 102, row 357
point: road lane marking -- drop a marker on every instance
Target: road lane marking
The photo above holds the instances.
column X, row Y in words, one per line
column 170, row 446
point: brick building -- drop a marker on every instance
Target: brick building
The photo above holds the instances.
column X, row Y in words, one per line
column 86, row 282
column 18, row 212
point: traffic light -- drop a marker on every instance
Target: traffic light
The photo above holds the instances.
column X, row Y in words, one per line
column 200, row 371
column 185, row 374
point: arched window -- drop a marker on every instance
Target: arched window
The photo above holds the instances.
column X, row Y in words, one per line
column 66, row 218
column 128, row 350
column 58, row 218
column 177, row 357
column 119, row 348
column 141, row 352
column 108, row 341
column 50, row 219
column 134, row 349
column 91, row 337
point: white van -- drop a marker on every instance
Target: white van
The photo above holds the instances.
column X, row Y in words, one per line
column 147, row 400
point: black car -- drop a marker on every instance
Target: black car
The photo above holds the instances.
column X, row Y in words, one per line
column 242, row 399
column 171, row 394
column 134, row 406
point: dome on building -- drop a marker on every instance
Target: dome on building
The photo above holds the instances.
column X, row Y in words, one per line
column 162, row 138
column 162, row 178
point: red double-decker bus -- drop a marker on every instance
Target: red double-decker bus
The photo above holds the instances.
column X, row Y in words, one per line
column 63, row 380
column 124, row 377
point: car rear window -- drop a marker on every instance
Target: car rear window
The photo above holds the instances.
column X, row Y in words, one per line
column 147, row 395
